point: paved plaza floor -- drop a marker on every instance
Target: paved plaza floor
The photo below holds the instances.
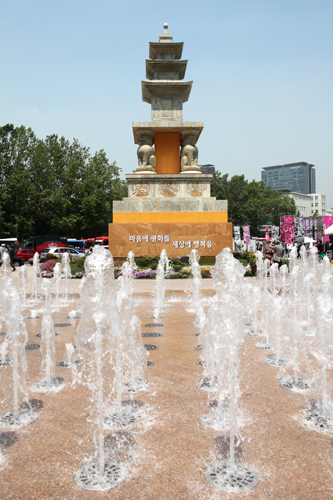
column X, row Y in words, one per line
column 172, row 449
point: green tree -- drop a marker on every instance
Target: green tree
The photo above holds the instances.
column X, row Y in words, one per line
column 53, row 186
column 251, row 203
column 16, row 152
column 100, row 186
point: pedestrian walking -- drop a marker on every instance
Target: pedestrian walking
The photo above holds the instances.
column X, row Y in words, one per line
column 2, row 249
column 277, row 249
column 10, row 252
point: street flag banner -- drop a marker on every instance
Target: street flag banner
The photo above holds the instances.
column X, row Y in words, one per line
column 289, row 229
column 267, row 234
column 246, row 235
column 237, row 234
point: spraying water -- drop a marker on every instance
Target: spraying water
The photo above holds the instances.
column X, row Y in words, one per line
column 23, row 278
column 134, row 354
column 56, row 281
column 256, row 302
column 228, row 333
column 15, row 343
column 49, row 382
column 46, row 286
column 5, row 270
column 196, row 301
column 66, row 271
column 35, row 274
column 160, row 287
column 100, row 342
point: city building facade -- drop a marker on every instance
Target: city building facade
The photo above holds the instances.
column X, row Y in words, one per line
column 297, row 177
column 318, row 203
column 302, row 201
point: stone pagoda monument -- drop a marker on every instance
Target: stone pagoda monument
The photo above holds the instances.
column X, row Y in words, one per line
column 167, row 186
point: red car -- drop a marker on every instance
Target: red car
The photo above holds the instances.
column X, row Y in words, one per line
column 24, row 253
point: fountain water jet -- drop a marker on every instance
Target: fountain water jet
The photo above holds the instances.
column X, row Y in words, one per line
column 66, row 271
column 56, row 280
column 256, row 301
column 68, row 358
column 266, row 311
column 196, row 301
column 5, row 270
column 159, row 294
column 319, row 412
column 134, row 354
column 100, row 341
column 15, row 340
column 277, row 359
column 228, row 475
column 23, row 283
column 35, row 274
column 46, row 286
column 49, row 382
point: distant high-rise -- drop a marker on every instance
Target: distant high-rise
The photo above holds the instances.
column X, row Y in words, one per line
column 297, row 177
column 207, row 169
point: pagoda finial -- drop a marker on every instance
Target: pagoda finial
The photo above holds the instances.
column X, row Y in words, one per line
column 165, row 37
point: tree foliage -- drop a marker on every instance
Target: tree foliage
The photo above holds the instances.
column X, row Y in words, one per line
column 53, row 186
column 251, row 203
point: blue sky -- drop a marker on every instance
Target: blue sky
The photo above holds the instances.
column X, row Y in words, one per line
column 262, row 73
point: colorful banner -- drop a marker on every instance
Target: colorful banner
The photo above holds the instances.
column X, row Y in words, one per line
column 327, row 222
column 237, row 234
column 282, row 229
column 246, row 235
column 289, row 229
column 306, row 227
column 311, row 227
column 315, row 231
column 299, row 230
column 267, row 234
column 320, row 228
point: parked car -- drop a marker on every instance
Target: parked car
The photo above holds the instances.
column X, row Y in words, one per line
column 58, row 251
column 24, row 254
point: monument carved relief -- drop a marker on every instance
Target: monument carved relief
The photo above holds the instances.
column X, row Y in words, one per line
column 146, row 155
column 169, row 189
column 189, row 155
column 195, row 189
column 141, row 189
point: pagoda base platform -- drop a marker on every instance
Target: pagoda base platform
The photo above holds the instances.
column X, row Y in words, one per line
column 169, row 198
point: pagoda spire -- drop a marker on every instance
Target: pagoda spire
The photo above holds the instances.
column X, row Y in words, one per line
column 166, row 92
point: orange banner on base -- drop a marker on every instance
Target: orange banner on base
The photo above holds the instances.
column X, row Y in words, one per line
column 178, row 239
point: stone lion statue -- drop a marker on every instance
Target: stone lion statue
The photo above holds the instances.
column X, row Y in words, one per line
column 146, row 156
column 189, row 155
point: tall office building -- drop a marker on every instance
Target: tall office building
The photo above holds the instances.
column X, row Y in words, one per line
column 296, row 177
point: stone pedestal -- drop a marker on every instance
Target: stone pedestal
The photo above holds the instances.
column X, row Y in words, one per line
column 169, row 197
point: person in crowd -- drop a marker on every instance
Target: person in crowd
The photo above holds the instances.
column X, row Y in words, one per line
column 2, row 249
column 277, row 252
column 10, row 251
column 298, row 251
